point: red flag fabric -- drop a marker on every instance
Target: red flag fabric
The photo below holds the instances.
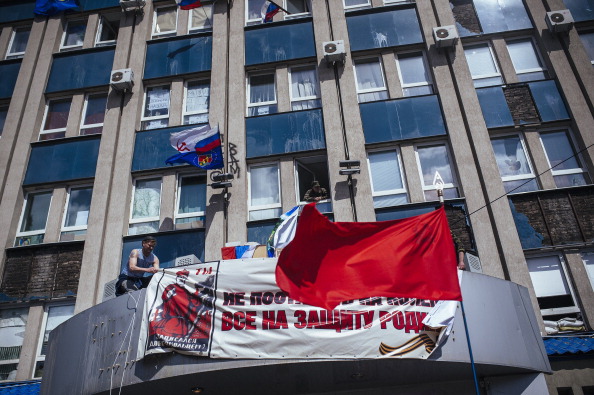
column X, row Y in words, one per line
column 328, row 263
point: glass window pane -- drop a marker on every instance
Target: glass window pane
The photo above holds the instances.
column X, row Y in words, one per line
column 95, row 111
column 588, row 41
column 435, row 159
column 369, row 74
column 354, row 3
column 75, row 34
column 510, row 156
column 547, row 276
column 502, row 15
column 201, row 18
column 109, row 28
column 19, row 41
column 192, row 195
column 588, row 258
column 56, row 315
column 36, row 211
column 296, row 6
column 12, row 332
column 3, row 114
column 254, row 8
column 559, row 151
column 79, row 205
column 264, row 185
column 166, row 20
column 157, row 101
column 304, row 83
column 262, row 88
column 57, row 114
column 412, row 69
column 524, row 56
column 147, row 199
column 480, row 61
column 197, row 96
column 385, row 171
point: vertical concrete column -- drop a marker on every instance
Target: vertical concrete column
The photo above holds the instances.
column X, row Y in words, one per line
column 176, row 99
column 237, row 209
column 219, row 84
column 505, row 63
column 54, row 218
column 168, row 192
column 577, row 269
column 539, row 159
column 183, row 21
column 412, row 173
column 287, row 176
column 33, row 331
column 21, row 131
column 283, row 90
column 91, row 31
column 337, row 90
column 5, row 35
column 75, row 115
column 391, row 75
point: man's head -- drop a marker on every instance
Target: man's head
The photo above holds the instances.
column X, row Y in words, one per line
column 148, row 244
column 315, row 185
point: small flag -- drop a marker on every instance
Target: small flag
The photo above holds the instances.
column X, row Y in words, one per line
column 53, row 7
column 199, row 146
column 330, row 262
column 284, row 231
column 189, row 4
column 269, row 10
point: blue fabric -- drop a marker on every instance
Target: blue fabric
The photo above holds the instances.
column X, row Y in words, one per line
column 189, row 4
column 240, row 250
column 211, row 159
column 52, row 7
column 30, row 387
column 569, row 345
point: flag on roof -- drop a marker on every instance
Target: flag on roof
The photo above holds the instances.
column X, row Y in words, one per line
column 53, row 7
column 331, row 262
column 189, row 4
column 269, row 10
column 199, row 146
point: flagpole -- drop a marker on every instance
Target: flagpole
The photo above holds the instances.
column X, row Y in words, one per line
column 281, row 8
column 438, row 182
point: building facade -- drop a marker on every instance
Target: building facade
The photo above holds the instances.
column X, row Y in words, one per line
column 497, row 104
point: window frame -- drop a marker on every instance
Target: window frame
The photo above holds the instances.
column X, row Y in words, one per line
column 20, row 233
column 249, row 22
column 288, row 16
column 542, row 69
column 589, row 54
column 455, row 185
column 250, row 105
column 100, row 26
column 404, row 86
column 176, row 214
column 356, row 6
column 570, row 139
column 589, row 273
column 326, row 204
column 63, row 227
column 38, row 356
column 391, row 192
column 488, row 75
column 278, row 206
column 58, row 130
column 64, row 47
column 209, row 17
column 186, row 113
column 146, row 119
column 364, row 91
column 157, row 218
column 82, row 125
column 168, row 33
column 16, row 55
column 14, row 361
column 3, row 109
column 525, row 177
column 294, row 100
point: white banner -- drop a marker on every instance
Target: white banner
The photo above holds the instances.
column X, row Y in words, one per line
column 234, row 309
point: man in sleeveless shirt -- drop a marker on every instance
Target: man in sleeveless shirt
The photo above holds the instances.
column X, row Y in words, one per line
column 140, row 261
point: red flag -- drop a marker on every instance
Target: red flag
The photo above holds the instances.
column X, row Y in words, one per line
column 328, row 263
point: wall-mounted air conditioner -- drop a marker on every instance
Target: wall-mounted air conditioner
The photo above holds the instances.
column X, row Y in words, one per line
column 109, row 290
column 186, row 260
column 445, row 36
column 559, row 21
column 334, row 51
column 122, row 80
column 472, row 262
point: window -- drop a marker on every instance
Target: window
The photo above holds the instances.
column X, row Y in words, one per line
column 253, row 11
column 197, row 96
column 513, row 163
column 56, row 119
column 588, row 41
column 414, row 74
column 165, row 21
column 356, row 3
column 526, row 60
column 54, row 316
column 553, row 292
column 33, row 218
column 483, row 66
column 565, row 164
column 3, row 114
column 93, row 114
column 201, row 18
column 261, row 94
column 489, row 16
column 308, row 170
column 434, row 162
column 156, row 107
column 18, row 42
column 264, row 195
column 76, row 213
column 305, row 91
column 74, row 35
column 12, row 331
column 191, row 199
column 387, row 179
column 107, row 33
column 369, row 76
column 146, row 206
column 296, row 8
column 588, row 259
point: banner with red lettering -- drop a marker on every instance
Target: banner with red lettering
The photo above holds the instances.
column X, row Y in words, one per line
column 234, row 309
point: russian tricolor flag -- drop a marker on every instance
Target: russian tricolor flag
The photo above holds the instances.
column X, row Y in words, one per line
column 189, row 4
column 199, row 146
column 269, row 10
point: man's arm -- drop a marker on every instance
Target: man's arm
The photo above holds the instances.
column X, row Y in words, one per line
column 133, row 260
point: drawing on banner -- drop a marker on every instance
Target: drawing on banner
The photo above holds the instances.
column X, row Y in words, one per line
column 182, row 317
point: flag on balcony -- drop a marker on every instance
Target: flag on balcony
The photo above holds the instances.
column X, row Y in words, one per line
column 330, row 262
column 52, row 7
column 189, row 4
column 199, row 146
column 269, row 10
column 283, row 232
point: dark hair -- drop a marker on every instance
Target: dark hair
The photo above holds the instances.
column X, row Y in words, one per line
column 148, row 239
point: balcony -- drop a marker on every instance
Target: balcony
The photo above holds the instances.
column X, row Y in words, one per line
column 9, row 71
column 178, row 56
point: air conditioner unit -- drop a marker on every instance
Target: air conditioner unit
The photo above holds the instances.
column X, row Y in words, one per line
column 559, row 21
column 472, row 262
column 445, row 36
column 132, row 5
column 109, row 290
column 186, row 260
column 334, row 51
column 122, row 80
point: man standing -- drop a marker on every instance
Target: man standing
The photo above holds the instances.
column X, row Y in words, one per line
column 141, row 261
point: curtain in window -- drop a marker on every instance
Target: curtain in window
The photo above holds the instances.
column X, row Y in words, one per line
column 147, row 199
column 304, row 84
column 369, row 76
column 264, row 186
column 166, row 20
column 201, row 18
